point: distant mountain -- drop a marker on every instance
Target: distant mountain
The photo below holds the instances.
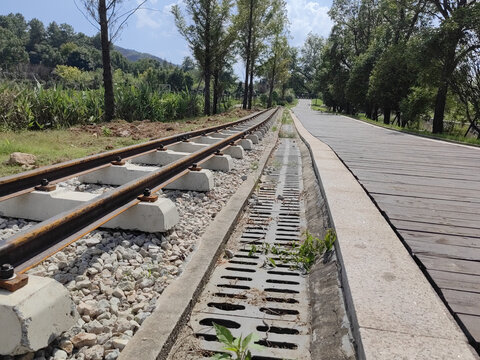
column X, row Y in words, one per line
column 134, row 55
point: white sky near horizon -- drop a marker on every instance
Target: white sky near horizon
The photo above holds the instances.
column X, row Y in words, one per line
column 152, row 30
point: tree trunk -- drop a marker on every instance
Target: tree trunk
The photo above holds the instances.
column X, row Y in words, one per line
column 208, row 66
column 440, row 102
column 386, row 116
column 369, row 111
column 107, row 69
column 248, row 54
column 215, row 92
column 250, row 86
column 272, row 83
column 447, row 71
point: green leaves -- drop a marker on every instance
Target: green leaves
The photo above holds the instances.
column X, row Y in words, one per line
column 223, row 334
column 239, row 346
column 303, row 256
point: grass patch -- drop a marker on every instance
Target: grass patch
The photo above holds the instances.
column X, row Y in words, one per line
column 318, row 105
column 287, row 119
column 292, row 105
column 54, row 146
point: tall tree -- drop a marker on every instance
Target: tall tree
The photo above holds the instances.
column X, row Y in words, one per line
column 109, row 18
column 244, row 21
column 277, row 51
column 460, row 19
column 224, row 35
column 252, row 22
column 208, row 39
column 310, row 60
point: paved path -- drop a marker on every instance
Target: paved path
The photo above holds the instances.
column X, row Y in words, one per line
column 430, row 192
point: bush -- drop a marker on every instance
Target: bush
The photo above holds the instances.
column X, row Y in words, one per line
column 289, row 96
column 141, row 103
column 23, row 107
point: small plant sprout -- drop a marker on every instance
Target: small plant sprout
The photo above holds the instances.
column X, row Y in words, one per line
column 301, row 256
column 329, row 240
column 241, row 347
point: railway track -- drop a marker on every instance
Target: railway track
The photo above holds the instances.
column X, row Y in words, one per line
column 110, row 291
column 28, row 248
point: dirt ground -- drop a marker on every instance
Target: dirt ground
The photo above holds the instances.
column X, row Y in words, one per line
column 55, row 146
column 149, row 130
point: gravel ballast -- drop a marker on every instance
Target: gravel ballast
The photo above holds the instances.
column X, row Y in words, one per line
column 115, row 277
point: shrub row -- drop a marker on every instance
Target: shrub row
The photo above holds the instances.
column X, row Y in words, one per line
column 23, row 107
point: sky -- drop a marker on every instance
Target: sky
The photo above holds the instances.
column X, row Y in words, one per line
column 152, row 29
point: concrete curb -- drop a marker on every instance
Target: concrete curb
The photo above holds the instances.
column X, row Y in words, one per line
column 394, row 311
column 158, row 333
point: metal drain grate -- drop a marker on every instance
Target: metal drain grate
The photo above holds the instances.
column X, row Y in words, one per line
column 248, row 295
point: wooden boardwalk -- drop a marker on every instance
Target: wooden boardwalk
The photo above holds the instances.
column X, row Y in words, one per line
column 430, row 193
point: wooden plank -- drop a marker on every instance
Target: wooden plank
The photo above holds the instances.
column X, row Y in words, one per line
column 366, row 170
column 472, row 323
column 456, row 281
column 420, row 180
column 440, row 239
column 436, row 228
column 428, row 203
column 420, row 213
column 434, row 192
column 449, row 264
column 463, row 302
column 410, row 170
column 444, row 250
column 429, row 190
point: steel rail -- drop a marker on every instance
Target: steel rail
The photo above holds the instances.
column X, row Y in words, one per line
column 15, row 185
column 30, row 247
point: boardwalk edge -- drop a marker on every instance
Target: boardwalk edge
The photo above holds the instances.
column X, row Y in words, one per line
column 394, row 311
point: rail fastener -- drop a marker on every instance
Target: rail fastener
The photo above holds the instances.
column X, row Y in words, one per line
column 11, row 281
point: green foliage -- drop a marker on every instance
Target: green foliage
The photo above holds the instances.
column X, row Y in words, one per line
column 302, row 256
column 141, row 102
column 44, row 108
column 12, row 51
column 240, row 347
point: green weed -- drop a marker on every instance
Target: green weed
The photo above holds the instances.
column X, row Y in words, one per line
column 287, row 119
column 240, row 347
column 302, row 256
column 284, row 134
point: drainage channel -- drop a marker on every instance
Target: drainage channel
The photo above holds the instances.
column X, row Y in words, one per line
column 257, row 291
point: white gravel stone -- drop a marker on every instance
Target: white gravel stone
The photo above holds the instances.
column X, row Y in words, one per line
column 59, row 354
column 119, row 343
column 115, row 277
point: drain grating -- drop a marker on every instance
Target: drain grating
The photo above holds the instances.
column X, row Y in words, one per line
column 247, row 294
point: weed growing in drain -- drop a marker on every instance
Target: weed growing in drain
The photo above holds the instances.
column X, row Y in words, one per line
column 287, row 119
column 284, row 134
column 301, row 256
column 241, row 347
column 254, row 165
column 274, row 128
